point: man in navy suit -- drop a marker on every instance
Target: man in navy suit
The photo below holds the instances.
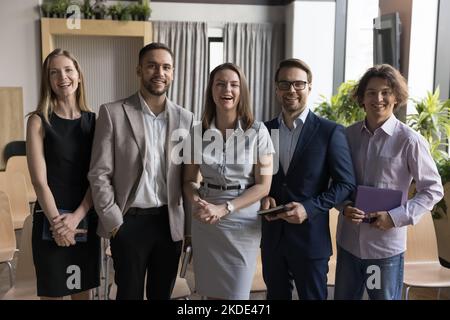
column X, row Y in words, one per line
column 315, row 174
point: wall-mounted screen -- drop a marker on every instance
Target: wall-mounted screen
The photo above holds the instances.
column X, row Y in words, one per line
column 386, row 39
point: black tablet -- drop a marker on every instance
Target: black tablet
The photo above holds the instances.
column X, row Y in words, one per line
column 273, row 211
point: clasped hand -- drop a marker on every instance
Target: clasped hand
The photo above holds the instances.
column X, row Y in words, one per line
column 383, row 220
column 64, row 229
column 207, row 212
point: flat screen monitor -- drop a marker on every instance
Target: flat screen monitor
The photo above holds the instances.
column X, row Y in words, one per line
column 386, row 39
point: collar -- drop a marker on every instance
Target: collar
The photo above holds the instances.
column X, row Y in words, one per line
column 237, row 128
column 388, row 126
column 301, row 119
column 146, row 108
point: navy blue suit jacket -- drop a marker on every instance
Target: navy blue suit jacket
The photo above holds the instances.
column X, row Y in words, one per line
column 320, row 175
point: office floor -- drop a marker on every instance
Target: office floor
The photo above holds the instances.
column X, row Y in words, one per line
column 415, row 293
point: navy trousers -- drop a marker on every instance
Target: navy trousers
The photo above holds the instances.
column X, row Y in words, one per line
column 284, row 265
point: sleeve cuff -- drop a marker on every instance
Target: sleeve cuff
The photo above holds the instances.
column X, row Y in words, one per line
column 340, row 207
column 112, row 219
column 309, row 208
column 399, row 217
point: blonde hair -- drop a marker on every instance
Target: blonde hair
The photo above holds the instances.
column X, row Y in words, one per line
column 47, row 99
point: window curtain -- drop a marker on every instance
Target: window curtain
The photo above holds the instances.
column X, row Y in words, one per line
column 189, row 43
column 257, row 48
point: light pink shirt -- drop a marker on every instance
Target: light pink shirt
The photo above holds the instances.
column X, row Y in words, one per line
column 389, row 158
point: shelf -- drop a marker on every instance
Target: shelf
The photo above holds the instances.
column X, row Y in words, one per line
column 51, row 27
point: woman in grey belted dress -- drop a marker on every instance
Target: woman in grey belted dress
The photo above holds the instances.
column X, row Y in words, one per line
column 233, row 154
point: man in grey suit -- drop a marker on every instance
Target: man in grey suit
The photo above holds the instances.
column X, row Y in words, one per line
column 136, row 187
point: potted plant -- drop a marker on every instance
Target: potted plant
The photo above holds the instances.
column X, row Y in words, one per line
column 134, row 11
column 341, row 108
column 59, row 8
column 86, row 10
column 115, row 11
column 433, row 122
column 145, row 10
column 141, row 11
column 46, row 8
column 99, row 10
column 126, row 15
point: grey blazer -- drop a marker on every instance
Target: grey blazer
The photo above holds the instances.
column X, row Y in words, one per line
column 117, row 162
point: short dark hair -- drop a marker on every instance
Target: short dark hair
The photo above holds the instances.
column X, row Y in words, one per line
column 155, row 46
column 294, row 63
column 384, row 71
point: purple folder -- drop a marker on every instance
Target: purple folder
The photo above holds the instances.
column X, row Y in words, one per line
column 371, row 199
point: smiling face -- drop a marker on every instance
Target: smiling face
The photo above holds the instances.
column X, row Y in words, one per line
column 293, row 101
column 378, row 101
column 64, row 77
column 156, row 71
column 226, row 90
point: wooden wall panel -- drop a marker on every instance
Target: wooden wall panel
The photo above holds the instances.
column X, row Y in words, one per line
column 11, row 119
column 108, row 65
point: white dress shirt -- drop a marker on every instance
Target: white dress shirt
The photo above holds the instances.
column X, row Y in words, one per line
column 152, row 189
column 289, row 138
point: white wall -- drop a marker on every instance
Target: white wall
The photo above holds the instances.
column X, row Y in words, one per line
column 20, row 54
column 216, row 13
column 423, row 49
column 312, row 37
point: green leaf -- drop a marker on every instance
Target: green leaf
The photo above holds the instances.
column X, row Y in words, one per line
column 341, row 107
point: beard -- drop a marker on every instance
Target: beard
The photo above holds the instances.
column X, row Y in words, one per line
column 299, row 107
column 152, row 88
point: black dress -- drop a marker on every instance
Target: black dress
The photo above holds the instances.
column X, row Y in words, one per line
column 62, row 271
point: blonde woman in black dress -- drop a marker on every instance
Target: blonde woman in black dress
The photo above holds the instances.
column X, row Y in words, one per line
column 59, row 140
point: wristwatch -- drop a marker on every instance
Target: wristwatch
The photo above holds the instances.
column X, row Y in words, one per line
column 229, row 207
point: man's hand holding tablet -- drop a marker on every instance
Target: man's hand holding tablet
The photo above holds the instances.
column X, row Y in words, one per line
column 273, row 211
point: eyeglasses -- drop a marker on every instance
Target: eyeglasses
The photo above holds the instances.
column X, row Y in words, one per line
column 286, row 85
